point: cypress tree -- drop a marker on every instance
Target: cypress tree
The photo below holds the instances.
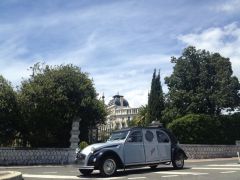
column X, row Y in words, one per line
column 155, row 99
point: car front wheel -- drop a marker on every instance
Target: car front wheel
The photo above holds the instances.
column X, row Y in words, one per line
column 178, row 161
column 108, row 166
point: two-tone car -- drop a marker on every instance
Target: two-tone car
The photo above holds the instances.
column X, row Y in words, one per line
column 138, row 146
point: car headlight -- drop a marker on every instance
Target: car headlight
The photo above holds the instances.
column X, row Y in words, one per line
column 77, row 150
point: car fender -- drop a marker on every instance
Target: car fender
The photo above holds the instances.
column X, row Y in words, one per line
column 177, row 150
column 96, row 158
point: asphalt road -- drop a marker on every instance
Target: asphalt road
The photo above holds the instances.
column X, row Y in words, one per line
column 221, row 169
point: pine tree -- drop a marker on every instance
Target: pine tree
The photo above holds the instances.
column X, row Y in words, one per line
column 155, row 99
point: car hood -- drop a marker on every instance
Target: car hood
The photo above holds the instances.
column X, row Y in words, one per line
column 98, row 146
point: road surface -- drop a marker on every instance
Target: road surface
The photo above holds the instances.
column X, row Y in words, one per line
column 220, row 169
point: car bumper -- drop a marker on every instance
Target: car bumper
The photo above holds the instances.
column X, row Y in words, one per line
column 82, row 163
column 86, row 167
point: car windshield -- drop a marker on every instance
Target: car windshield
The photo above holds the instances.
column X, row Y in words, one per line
column 119, row 135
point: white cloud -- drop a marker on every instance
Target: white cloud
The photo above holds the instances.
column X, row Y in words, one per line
column 229, row 6
column 119, row 43
column 225, row 40
column 137, row 97
column 132, row 77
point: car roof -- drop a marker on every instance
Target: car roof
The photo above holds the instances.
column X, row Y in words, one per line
column 160, row 127
column 140, row 127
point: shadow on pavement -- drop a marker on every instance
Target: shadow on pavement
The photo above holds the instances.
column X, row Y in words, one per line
column 122, row 173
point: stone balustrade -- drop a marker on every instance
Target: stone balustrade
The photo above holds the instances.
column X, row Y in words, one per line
column 23, row 156
column 39, row 156
column 199, row 151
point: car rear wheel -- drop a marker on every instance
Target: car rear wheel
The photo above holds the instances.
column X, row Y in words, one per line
column 86, row 172
column 108, row 166
column 178, row 161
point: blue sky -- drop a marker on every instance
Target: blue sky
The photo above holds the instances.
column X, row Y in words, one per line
column 118, row 42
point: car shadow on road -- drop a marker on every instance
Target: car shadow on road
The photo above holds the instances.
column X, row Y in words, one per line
column 122, row 173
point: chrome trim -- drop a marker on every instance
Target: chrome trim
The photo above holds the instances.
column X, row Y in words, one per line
column 86, row 167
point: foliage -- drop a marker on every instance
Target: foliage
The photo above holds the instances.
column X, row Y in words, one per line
column 155, row 99
column 195, row 129
column 201, row 83
column 170, row 112
column 230, row 125
column 83, row 144
column 104, row 135
column 8, row 113
column 141, row 118
column 51, row 98
column 206, row 129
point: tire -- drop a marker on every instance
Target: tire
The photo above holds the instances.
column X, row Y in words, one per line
column 153, row 166
column 108, row 167
column 86, row 172
column 178, row 161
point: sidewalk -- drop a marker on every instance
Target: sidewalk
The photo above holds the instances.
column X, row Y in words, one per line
column 10, row 175
column 209, row 160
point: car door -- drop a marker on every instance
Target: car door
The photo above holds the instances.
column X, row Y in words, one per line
column 150, row 145
column 164, row 146
column 133, row 148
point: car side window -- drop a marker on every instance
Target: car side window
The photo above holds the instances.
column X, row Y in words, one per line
column 162, row 137
column 149, row 136
column 135, row 136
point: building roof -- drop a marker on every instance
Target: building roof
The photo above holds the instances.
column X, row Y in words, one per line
column 118, row 100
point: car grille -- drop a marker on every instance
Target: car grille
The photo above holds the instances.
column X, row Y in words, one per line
column 80, row 158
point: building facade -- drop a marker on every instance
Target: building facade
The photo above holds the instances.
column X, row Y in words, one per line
column 119, row 114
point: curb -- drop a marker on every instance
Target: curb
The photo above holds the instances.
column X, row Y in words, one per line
column 10, row 175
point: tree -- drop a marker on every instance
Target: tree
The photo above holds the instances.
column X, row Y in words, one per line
column 155, row 99
column 141, row 119
column 51, row 98
column 201, row 83
column 8, row 113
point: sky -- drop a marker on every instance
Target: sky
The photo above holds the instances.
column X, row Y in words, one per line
column 117, row 42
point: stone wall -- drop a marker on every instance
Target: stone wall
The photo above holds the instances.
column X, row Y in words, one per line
column 195, row 151
column 24, row 156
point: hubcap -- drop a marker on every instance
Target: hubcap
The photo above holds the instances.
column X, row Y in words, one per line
column 179, row 161
column 109, row 166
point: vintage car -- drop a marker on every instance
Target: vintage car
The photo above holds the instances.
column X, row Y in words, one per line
column 138, row 146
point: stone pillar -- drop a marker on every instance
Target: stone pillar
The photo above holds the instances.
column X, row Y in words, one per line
column 74, row 140
column 237, row 142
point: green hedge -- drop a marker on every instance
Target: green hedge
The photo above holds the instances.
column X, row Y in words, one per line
column 205, row 129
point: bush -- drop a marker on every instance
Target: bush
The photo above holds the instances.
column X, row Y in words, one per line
column 195, row 129
column 83, row 144
column 230, row 125
column 205, row 129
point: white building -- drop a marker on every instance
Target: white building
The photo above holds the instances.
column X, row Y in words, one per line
column 119, row 114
